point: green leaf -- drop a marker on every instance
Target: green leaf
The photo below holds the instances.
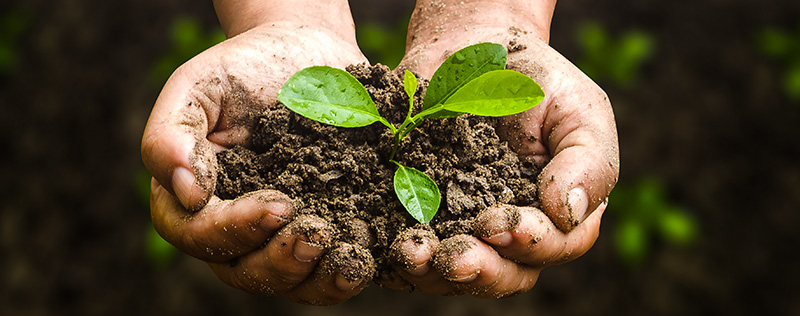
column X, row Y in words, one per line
column 331, row 96
column 496, row 93
column 677, row 227
column 410, row 84
column 631, row 241
column 457, row 70
column 417, row 192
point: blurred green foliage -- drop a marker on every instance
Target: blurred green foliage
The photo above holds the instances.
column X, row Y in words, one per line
column 188, row 38
column 645, row 217
column 13, row 25
column 382, row 44
column 783, row 46
column 616, row 60
column 158, row 252
column 142, row 185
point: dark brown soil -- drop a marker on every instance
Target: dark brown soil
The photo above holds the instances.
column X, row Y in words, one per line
column 344, row 175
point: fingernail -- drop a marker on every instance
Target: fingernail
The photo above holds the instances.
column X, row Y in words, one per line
column 501, row 239
column 272, row 222
column 306, row 252
column 182, row 182
column 418, row 257
column 275, row 217
column 464, row 278
column 578, row 203
column 343, row 284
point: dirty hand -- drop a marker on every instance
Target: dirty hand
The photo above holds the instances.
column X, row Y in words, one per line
column 572, row 133
column 254, row 242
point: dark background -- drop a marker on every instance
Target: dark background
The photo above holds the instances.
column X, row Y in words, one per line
column 707, row 98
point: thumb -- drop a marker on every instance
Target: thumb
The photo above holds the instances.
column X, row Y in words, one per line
column 584, row 167
column 574, row 129
column 175, row 148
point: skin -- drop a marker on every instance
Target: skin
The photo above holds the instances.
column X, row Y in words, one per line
column 571, row 133
column 256, row 243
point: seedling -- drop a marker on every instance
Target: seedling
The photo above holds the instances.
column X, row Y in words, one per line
column 472, row 80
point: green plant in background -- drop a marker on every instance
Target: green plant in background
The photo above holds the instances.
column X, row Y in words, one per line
column 382, row 44
column 784, row 47
column 645, row 216
column 472, row 80
column 619, row 61
column 188, row 39
column 158, row 252
column 13, row 24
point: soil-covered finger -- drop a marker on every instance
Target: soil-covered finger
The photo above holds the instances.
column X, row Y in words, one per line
column 283, row 263
column 411, row 253
column 222, row 230
column 341, row 274
column 476, row 269
column 534, row 239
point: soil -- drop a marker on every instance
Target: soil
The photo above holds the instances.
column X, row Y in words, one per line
column 344, row 175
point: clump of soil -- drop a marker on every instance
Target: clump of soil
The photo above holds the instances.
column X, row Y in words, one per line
column 344, row 175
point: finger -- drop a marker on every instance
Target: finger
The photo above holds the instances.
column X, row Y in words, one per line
column 574, row 127
column 174, row 145
column 479, row 270
column 285, row 261
column 223, row 229
column 340, row 275
column 412, row 253
column 526, row 235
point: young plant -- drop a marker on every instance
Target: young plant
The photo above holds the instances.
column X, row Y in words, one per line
column 473, row 80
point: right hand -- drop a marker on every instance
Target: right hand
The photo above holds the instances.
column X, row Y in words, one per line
column 571, row 133
column 254, row 242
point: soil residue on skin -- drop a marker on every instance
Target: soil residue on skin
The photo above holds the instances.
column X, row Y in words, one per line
column 344, row 176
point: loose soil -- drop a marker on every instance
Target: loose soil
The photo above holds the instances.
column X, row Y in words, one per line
column 344, row 175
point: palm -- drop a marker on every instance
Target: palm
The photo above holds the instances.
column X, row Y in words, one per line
column 238, row 78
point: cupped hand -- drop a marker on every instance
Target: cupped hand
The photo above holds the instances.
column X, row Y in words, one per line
column 571, row 133
column 255, row 242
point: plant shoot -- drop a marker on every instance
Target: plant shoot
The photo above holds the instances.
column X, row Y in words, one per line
column 473, row 80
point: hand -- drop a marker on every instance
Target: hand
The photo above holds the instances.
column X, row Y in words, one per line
column 572, row 133
column 254, row 242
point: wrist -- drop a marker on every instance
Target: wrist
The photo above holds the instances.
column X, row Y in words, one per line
column 331, row 16
column 446, row 17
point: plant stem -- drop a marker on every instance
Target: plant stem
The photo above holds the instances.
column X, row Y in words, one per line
column 410, row 107
column 395, row 146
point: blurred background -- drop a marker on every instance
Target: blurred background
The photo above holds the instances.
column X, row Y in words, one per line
column 702, row 222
